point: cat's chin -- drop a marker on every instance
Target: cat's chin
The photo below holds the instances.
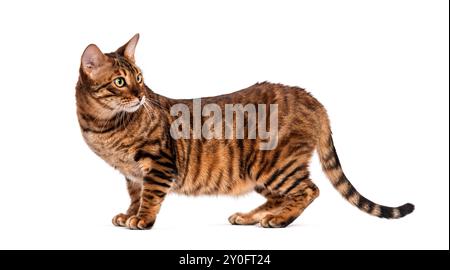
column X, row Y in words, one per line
column 136, row 107
column 132, row 108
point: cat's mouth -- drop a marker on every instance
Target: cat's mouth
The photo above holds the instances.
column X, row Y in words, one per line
column 132, row 107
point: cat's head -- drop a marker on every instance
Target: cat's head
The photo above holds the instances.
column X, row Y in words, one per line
column 111, row 83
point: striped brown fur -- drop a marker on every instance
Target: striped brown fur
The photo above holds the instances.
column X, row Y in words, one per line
column 135, row 139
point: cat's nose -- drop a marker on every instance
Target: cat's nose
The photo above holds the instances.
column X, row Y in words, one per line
column 135, row 92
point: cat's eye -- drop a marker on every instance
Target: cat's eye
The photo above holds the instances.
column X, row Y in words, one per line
column 119, row 82
column 139, row 78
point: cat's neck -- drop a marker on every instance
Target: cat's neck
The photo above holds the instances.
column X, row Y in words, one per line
column 157, row 104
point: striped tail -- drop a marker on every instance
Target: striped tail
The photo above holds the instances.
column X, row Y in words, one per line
column 332, row 168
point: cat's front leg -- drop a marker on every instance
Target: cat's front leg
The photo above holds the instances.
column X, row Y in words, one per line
column 156, row 184
column 134, row 190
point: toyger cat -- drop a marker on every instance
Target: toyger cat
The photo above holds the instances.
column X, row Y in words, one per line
column 127, row 124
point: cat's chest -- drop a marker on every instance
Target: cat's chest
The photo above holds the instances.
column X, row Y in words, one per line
column 116, row 153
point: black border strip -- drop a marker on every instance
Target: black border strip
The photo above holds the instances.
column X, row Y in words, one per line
column 224, row 259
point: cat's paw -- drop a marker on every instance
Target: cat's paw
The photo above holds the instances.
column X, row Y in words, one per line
column 139, row 223
column 242, row 219
column 120, row 220
column 271, row 221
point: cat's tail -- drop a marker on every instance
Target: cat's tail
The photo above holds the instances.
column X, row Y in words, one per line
column 333, row 169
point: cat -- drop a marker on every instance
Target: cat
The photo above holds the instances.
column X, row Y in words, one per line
column 129, row 126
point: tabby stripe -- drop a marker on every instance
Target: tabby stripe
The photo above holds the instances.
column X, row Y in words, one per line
column 135, row 201
column 108, row 95
column 152, row 129
column 277, row 173
column 286, row 103
column 197, row 188
column 148, row 197
column 362, row 202
column 96, row 89
column 116, row 143
column 335, row 163
column 186, row 166
column 263, row 166
column 149, row 180
column 342, row 179
column 174, row 161
column 141, row 154
column 87, row 117
column 292, row 150
column 260, row 189
column 330, row 155
column 365, row 202
column 126, row 146
column 301, row 152
column 296, row 183
column 219, row 181
column 152, row 142
column 161, row 175
column 99, row 131
column 179, row 149
column 198, row 163
column 166, row 164
column 385, row 212
column 231, row 164
column 274, row 159
column 133, row 191
column 310, row 106
column 333, row 152
column 111, row 89
column 284, row 142
column 146, row 189
column 350, row 191
column 167, row 156
column 249, row 154
column 103, row 104
column 332, row 166
column 116, row 125
column 252, row 159
column 212, row 164
column 159, row 193
column 294, row 171
column 240, row 146
column 121, row 63
column 371, row 206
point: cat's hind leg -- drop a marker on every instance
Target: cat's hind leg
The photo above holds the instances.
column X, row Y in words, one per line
column 288, row 190
column 294, row 202
column 280, row 209
column 289, row 181
column 134, row 190
column 273, row 203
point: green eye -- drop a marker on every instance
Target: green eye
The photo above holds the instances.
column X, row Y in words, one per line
column 119, row 82
column 139, row 78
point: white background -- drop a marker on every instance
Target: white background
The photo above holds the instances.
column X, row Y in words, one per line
column 380, row 67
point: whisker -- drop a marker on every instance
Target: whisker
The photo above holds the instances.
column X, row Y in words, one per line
column 153, row 102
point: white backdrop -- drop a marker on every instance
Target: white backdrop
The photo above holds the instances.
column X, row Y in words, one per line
column 380, row 67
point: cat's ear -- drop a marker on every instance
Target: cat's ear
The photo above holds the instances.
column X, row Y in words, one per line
column 128, row 49
column 92, row 59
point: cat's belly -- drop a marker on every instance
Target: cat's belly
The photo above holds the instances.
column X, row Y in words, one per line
column 209, row 187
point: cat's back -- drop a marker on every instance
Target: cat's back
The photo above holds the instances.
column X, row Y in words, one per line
column 285, row 96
